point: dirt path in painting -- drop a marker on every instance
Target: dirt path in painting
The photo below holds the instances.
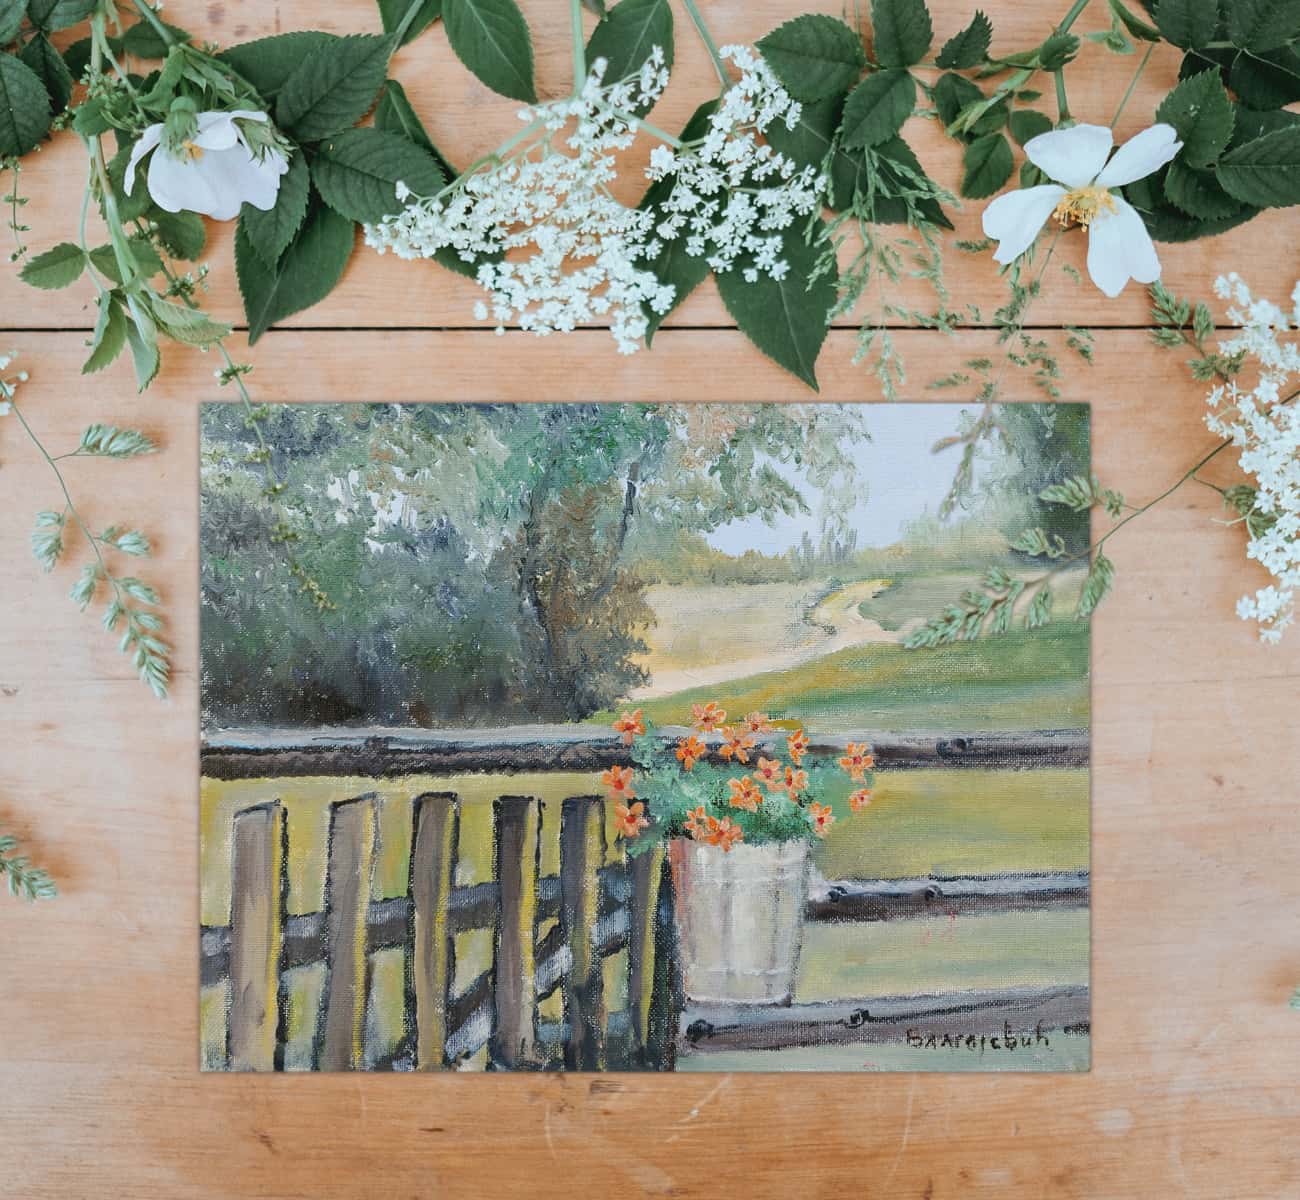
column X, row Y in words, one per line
column 834, row 623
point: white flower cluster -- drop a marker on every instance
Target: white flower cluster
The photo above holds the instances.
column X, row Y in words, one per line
column 732, row 194
column 1264, row 423
column 8, row 386
column 553, row 202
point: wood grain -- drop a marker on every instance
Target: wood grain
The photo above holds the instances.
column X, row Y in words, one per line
column 1196, row 858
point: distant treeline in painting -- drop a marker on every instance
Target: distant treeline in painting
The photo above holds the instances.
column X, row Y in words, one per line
column 488, row 564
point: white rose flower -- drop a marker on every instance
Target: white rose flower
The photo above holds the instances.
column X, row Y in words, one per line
column 216, row 171
column 1119, row 247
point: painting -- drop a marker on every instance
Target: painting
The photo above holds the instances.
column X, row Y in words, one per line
column 662, row 737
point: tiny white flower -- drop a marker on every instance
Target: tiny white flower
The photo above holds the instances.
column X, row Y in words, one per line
column 1119, row 247
column 216, row 171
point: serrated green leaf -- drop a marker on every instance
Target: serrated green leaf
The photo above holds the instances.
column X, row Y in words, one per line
column 896, row 170
column 334, row 86
column 786, row 318
column 968, row 48
column 182, row 234
column 1263, row 24
column 987, row 165
column 491, row 38
column 392, row 13
column 269, row 231
column 815, row 56
column 49, row 15
column 1057, row 51
column 901, row 31
column 953, row 93
column 1190, row 24
column 1026, row 123
column 48, row 65
column 142, row 339
column 24, row 107
column 145, row 257
column 109, row 336
column 627, row 34
column 1201, row 112
column 144, row 41
column 356, row 173
column 394, row 114
column 189, row 325
column 1101, row 577
column 877, row 108
column 11, row 19
column 58, row 267
column 1198, row 193
column 1266, row 80
column 307, row 272
column 1265, row 172
column 1136, row 26
column 268, row 62
column 1250, row 124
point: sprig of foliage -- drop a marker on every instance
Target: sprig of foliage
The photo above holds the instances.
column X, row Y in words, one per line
column 29, row 882
column 1184, row 323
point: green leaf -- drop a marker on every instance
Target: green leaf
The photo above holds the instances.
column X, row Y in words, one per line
column 59, row 267
column 145, row 257
column 1266, row 80
column 394, row 114
column 11, row 19
column 333, row 87
column 110, row 441
column 901, row 31
column 357, row 171
column 970, row 47
column 306, row 273
column 1026, row 123
column 109, row 336
column 672, row 264
column 189, row 325
column 1201, row 112
column 491, row 38
column 1265, row 172
column 785, row 318
column 391, row 13
column 894, row 164
column 987, row 164
column 48, row 15
column 1263, row 24
column 270, row 231
column 182, row 234
column 877, row 108
column 142, row 338
column 1136, row 26
column 1057, row 51
column 1101, row 577
column 814, row 56
column 268, row 62
column 144, row 41
column 1198, row 193
column 24, row 107
column 1190, row 24
column 953, row 93
column 627, row 34
column 1250, row 124
column 48, row 64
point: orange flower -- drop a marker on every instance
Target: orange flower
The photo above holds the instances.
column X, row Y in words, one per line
column 630, row 819
column 619, row 782
column 697, row 822
column 795, row 782
column 758, row 723
column 860, row 799
column 798, row 743
column 822, row 818
column 707, row 717
column 858, row 760
column 630, row 725
column 737, row 744
column 725, row 833
column 745, row 794
column 769, row 772
column 690, row 750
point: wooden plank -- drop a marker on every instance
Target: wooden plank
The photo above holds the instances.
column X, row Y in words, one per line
column 647, row 871
column 431, row 958
column 582, row 853
column 1026, row 1016
column 259, row 889
column 386, row 753
column 940, row 896
column 517, row 824
column 347, row 898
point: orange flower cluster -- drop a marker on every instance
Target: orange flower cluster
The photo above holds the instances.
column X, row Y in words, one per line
column 744, row 794
column 630, row 725
column 707, row 717
column 857, row 760
column 690, row 750
column 706, row 828
column 630, row 819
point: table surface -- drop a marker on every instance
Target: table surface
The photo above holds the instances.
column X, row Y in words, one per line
column 1196, row 889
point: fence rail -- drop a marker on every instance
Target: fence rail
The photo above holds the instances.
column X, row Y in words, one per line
column 384, row 753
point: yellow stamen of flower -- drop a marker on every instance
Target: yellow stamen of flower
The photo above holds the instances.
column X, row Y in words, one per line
column 192, row 151
column 1083, row 206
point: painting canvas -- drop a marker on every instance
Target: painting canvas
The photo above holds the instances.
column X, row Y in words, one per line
column 614, row 736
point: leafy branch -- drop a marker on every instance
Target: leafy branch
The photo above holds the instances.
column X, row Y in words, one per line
column 25, row 880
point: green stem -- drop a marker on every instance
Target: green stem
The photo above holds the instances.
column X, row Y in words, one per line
column 407, row 17
column 152, row 17
column 1062, row 104
column 1132, row 83
column 703, row 30
column 1076, row 11
column 579, row 47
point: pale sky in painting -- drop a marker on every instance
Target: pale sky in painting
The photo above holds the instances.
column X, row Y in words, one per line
column 903, row 480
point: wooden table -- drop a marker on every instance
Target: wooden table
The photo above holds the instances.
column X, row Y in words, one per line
column 1197, row 827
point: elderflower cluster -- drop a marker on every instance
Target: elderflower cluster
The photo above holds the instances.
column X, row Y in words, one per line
column 1264, row 424
column 577, row 248
column 732, row 194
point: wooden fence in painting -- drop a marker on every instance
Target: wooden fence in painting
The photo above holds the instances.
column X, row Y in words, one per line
column 594, row 910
